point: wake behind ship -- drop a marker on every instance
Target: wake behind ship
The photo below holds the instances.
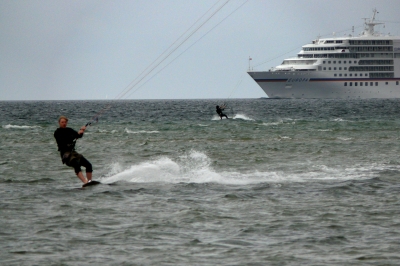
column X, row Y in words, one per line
column 366, row 66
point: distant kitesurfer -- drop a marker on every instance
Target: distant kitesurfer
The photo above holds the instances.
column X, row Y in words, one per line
column 219, row 111
column 66, row 138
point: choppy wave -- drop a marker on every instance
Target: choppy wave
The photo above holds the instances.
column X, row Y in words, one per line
column 333, row 182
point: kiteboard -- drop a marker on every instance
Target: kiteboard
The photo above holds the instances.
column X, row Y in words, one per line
column 91, row 183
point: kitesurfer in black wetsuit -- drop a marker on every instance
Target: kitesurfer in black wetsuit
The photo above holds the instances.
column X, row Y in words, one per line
column 66, row 138
column 219, row 112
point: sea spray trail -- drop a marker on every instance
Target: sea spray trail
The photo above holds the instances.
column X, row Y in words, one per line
column 195, row 167
column 235, row 116
column 243, row 117
column 287, row 182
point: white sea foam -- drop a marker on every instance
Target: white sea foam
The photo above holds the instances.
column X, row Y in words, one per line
column 243, row 117
column 340, row 120
column 141, row 131
column 19, row 127
column 358, row 172
column 106, row 131
column 195, row 167
column 272, row 123
column 216, row 117
column 235, row 116
column 345, row 139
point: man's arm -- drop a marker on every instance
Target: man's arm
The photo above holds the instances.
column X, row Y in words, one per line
column 80, row 132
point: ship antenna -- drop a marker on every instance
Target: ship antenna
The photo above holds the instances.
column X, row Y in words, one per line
column 249, row 62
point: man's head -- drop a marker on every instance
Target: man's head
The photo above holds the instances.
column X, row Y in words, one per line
column 63, row 121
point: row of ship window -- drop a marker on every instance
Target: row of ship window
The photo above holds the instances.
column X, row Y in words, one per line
column 366, row 83
column 360, row 42
column 352, row 49
column 371, row 75
column 371, row 49
column 364, row 62
column 339, row 62
column 351, row 55
column 350, row 75
column 329, row 68
column 364, row 68
column 331, row 41
column 371, row 42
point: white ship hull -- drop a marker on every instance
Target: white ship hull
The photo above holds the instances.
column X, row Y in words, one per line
column 313, row 85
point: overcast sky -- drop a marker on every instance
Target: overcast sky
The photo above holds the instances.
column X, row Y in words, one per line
column 94, row 49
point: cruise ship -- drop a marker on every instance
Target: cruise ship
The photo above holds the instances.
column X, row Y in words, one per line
column 361, row 67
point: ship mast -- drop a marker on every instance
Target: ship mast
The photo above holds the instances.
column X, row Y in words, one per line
column 369, row 26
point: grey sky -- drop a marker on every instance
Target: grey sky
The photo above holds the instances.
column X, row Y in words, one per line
column 92, row 49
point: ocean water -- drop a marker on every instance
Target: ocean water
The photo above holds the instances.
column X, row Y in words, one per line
column 282, row 182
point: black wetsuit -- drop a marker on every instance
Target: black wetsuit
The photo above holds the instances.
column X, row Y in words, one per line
column 219, row 112
column 66, row 146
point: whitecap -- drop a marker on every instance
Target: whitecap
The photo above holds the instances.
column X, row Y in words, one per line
column 106, row 131
column 19, row 127
column 141, row 131
column 345, row 139
column 272, row 123
column 340, row 120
